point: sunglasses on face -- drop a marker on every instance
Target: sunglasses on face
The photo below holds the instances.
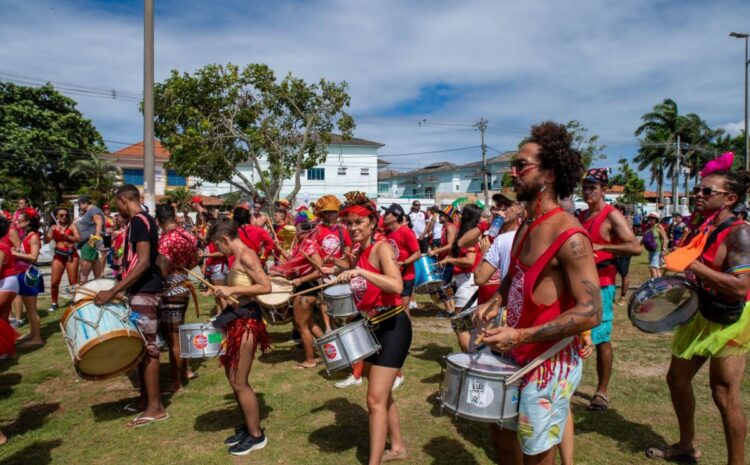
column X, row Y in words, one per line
column 707, row 191
column 520, row 165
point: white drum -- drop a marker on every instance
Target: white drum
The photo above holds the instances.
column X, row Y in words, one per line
column 95, row 285
column 473, row 387
column 346, row 345
column 276, row 306
column 200, row 340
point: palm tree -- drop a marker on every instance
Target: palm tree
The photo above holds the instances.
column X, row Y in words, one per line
column 181, row 197
column 99, row 177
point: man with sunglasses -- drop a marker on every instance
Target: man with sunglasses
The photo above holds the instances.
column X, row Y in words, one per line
column 551, row 294
column 720, row 332
column 611, row 237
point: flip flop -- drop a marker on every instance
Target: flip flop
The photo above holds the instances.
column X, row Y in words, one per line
column 599, row 403
column 673, row 453
column 141, row 421
column 304, row 366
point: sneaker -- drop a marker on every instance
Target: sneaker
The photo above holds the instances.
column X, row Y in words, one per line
column 249, row 444
column 350, row 381
column 412, row 304
column 52, row 308
column 17, row 323
column 240, row 433
column 397, row 382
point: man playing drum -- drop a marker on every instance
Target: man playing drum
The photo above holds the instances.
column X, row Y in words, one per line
column 611, row 237
column 142, row 281
column 720, row 331
column 551, row 292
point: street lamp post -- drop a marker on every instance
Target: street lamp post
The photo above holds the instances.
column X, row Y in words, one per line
column 745, row 35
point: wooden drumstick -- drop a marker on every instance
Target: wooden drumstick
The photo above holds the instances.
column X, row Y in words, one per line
column 306, row 291
column 315, row 265
column 211, row 286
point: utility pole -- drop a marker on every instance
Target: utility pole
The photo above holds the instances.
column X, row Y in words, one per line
column 482, row 126
column 745, row 35
column 149, row 175
column 676, row 176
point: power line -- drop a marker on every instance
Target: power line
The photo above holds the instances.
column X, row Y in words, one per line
column 428, row 152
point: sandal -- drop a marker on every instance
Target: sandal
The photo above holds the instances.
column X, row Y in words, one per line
column 674, row 453
column 305, row 366
column 390, row 456
column 140, row 420
column 599, row 403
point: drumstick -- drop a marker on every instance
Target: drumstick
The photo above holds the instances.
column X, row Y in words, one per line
column 211, row 286
column 306, row 291
column 92, row 293
column 317, row 268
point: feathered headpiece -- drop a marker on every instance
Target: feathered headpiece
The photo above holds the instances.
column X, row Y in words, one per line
column 720, row 163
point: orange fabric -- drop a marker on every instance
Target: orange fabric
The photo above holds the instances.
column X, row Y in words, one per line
column 683, row 256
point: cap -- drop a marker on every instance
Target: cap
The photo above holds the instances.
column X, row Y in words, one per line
column 84, row 199
column 653, row 215
column 597, row 175
column 509, row 196
column 284, row 203
column 395, row 209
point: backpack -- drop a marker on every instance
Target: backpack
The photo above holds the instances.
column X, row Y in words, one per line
column 649, row 240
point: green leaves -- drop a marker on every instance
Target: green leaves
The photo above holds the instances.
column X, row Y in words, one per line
column 222, row 117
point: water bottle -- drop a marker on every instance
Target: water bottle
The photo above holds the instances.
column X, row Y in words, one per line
column 497, row 223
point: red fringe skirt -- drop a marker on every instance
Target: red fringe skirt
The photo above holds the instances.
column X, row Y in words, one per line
column 236, row 331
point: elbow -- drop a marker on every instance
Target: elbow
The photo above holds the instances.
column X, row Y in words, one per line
column 636, row 249
column 266, row 288
column 480, row 280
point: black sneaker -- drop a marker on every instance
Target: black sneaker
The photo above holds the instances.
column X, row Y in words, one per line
column 240, row 433
column 249, row 444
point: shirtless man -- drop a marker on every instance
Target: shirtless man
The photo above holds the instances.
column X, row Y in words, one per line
column 720, row 332
column 551, row 292
column 612, row 237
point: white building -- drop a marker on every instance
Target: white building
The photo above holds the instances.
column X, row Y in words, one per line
column 350, row 165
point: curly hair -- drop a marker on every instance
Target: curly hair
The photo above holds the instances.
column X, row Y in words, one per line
column 736, row 182
column 557, row 154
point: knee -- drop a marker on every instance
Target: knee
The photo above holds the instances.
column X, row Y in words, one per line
column 675, row 381
column 376, row 403
column 722, row 396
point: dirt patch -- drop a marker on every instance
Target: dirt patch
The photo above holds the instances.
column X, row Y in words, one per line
column 641, row 369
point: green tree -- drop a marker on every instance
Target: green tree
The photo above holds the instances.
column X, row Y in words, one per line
column 588, row 145
column 632, row 183
column 180, row 196
column 42, row 137
column 99, row 178
column 726, row 143
column 222, row 116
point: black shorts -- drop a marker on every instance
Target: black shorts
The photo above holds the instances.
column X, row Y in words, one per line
column 394, row 335
column 408, row 288
column 305, row 286
column 622, row 263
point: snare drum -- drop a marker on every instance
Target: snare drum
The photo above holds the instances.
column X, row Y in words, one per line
column 200, row 340
column 339, row 301
column 462, row 321
column 443, row 294
column 96, row 285
column 662, row 304
column 276, row 306
column 103, row 342
column 344, row 346
column 473, row 387
column 428, row 275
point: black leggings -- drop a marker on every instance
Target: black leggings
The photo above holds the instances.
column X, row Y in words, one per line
column 394, row 335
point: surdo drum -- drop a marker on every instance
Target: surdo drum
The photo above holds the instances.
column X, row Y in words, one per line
column 474, row 387
column 346, row 345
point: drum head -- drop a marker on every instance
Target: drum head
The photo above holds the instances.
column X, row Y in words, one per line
column 483, row 363
column 111, row 357
column 338, row 290
column 662, row 304
column 101, row 284
column 281, row 291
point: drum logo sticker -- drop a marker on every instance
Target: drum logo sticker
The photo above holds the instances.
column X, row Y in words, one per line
column 331, row 353
column 200, row 341
column 214, row 338
column 478, row 393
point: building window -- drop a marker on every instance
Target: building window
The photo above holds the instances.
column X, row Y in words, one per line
column 316, row 174
column 175, row 180
column 364, row 171
column 383, row 187
column 342, row 171
column 132, row 176
column 428, row 192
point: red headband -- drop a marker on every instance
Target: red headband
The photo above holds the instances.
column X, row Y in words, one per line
column 30, row 212
column 357, row 210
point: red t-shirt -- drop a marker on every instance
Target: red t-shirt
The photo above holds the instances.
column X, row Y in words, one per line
column 8, row 267
column 211, row 261
column 404, row 243
column 256, row 238
column 179, row 247
column 329, row 238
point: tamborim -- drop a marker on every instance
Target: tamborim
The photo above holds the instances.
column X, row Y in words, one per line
column 662, row 304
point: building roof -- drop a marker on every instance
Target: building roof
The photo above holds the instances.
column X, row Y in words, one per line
column 338, row 139
column 442, row 166
column 136, row 151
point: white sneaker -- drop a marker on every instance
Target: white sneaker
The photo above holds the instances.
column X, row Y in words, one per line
column 397, row 382
column 350, row 381
column 412, row 304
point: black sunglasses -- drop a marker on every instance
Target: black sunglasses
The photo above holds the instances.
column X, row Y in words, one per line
column 520, row 164
column 707, row 191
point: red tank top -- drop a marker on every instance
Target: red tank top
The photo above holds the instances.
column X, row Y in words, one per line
column 522, row 311
column 58, row 234
column 464, row 251
column 8, row 267
column 444, row 239
column 367, row 296
column 22, row 265
column 709, row 255
column 605, row 264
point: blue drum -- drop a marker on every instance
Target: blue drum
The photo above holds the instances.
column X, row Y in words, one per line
column 428, row 275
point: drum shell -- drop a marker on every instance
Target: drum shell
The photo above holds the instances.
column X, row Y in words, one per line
column 102, row 340
column 428, row 276
column 346, row 345
column 200, row 340
column 463, row 321
column 339, row 301
column 655, row 287
column 479, row 396
column 443, row 294
column 278, row 316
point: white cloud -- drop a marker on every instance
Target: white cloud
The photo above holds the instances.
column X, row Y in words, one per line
column 733, row 129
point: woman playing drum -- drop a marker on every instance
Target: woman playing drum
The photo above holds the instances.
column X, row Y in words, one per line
column 376, row 286
column 65, row 259
column 245, row 331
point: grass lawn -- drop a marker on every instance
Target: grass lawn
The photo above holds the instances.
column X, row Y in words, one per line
column 51, row 417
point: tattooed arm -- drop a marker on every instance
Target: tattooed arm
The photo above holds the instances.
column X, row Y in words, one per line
column 738, row 253
column 577, row 262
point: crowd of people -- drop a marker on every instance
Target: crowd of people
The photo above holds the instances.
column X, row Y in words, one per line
column 532, row 262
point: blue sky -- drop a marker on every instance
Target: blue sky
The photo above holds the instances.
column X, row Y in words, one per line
column 443, row 63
